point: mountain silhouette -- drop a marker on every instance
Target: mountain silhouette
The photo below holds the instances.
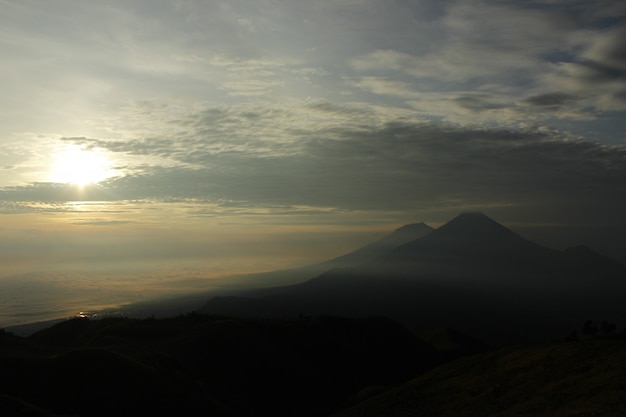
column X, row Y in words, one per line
column 474, row 232
column 471, row 274
column 584, row 259
column 284, row 277
column 470, row 244
column 399, row 237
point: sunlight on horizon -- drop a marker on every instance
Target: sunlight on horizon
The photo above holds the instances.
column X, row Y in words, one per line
column 80, row 167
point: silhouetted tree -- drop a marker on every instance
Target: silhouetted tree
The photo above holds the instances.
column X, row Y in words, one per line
column 608, row 329
column 573, row 336
column 589, row 329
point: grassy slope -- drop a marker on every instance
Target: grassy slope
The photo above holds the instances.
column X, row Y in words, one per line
column 208, row 365
column 205, row 365
column 586, row 378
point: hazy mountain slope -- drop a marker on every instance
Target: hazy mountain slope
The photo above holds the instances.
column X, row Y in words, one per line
column 582, row 259
column 381, row 247
column 474, row 244
column 567, row 379
column 290, row 276
column 258, row 284
column 471, row 274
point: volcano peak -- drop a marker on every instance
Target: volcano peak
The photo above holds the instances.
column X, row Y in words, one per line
column 474, row 225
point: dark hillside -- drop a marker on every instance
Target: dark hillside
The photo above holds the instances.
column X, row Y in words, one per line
column 583, row 379
column 381, row 247
column 206, row 365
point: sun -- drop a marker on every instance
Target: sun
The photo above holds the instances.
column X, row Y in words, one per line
column 80, row 166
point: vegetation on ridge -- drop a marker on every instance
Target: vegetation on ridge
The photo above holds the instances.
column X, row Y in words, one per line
column 581, row 379
column 207, row 364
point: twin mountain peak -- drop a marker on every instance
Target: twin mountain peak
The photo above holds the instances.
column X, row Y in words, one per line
column 475, row 240
column 466, row 226
column 471, row 274
column 471, row 231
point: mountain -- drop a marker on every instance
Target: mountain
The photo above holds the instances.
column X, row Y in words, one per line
column 471, row 274
column 471, row 244
column 582, row 258
column 290, row 276
column 470, row 234
column 383, row 246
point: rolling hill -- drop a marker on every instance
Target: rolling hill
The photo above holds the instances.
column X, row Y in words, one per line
column 204, row 365
column 198, row 364
column 582, row 379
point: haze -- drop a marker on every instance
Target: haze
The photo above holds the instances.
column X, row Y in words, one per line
column 148, row 146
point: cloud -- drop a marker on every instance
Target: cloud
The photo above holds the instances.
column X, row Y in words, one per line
column 495, row 61
column 477, row 102
column 608, row 48
column 389, row 59
column 408, row 165
column 386, row 86
column 590, row 72
column 324, row 156
column 594, row 71
column 222, row 102
column 101, row 223
column 555, row 99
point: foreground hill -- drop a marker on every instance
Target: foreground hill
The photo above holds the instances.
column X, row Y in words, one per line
column 205, row 365
column 315, row 366
column 586, row 378
column 471, row 274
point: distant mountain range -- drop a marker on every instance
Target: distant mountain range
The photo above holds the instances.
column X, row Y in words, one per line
column 471, row 274
column 441, row 293
column 444, row 292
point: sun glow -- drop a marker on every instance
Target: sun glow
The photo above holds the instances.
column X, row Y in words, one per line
column 80, row 167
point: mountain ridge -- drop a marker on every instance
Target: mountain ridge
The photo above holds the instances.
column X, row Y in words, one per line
column 471, row 274
column 471, row 234
column 258, row 282
column 401, row 235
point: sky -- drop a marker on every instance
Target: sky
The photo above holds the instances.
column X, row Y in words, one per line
column 147, row 145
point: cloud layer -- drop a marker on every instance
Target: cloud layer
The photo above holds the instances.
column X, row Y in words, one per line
column 355, row 165
column 356, row 106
